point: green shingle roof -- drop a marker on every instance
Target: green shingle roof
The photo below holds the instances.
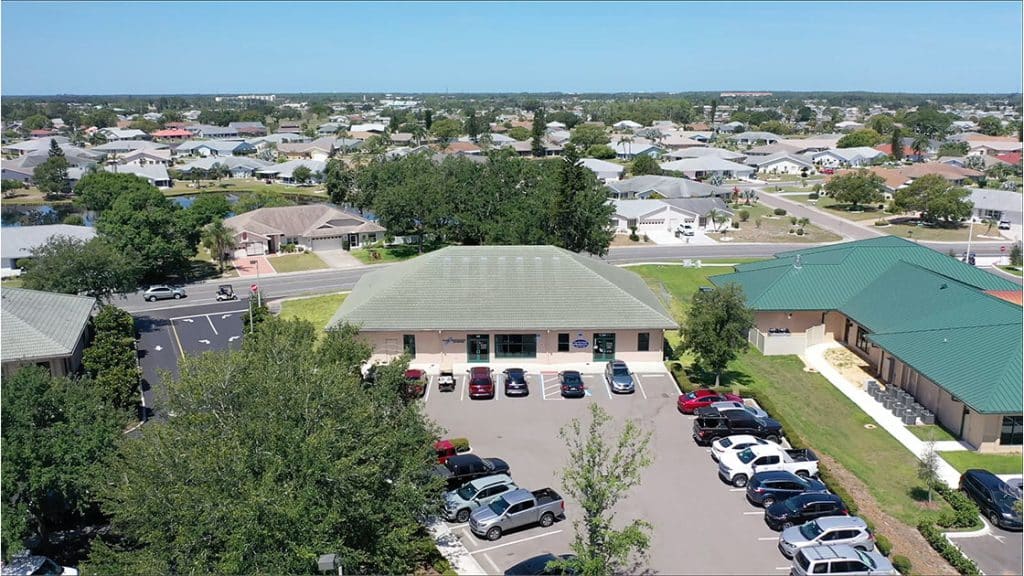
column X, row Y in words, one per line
column 927, row 309
column 502, row 288
column 37, row 325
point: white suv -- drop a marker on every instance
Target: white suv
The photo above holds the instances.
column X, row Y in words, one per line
column 685, row 229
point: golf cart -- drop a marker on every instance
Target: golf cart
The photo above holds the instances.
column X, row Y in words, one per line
column 226, row 292
column 446, row 380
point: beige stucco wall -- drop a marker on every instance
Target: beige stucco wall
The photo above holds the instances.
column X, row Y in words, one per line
column 449, row 347
column 800, row 321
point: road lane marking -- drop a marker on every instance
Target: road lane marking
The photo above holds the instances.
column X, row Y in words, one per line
column 640, row 384
column 158, row 347
column 489, row 548
column 493, row 565
column 174, row 331
column 233, row 338
column 210, row 320
column 223, row 316
column 204, row 341
column 187, row 319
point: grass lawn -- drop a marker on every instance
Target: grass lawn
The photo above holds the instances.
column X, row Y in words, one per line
column 814, row 409
column 15, row 282
column 916, row 232
column 930, row 432
column 842, row 210
column 241, row 186
column 1015, row 270
column 995, row 463
column 318, row 309
column 774, row 229
column 395, row 253
column 296, row 262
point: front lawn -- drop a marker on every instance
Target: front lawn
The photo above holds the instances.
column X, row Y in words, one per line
column 1015, row 270
column 296, row 262
column 392, row 253
column 812, row 407
column 921, row 232
column 318, row 309
column 242, row 186
column 995, row 463
column 13, row 282
column 764, row 226
column 842, row 210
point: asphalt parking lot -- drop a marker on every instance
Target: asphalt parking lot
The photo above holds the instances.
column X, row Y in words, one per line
column 167, row 335
column 997, row 552
column 701, row 526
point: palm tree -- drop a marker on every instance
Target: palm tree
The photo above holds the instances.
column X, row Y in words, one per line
column 920, row 145
column 419, row 131
column 715, row 217
column 803, row 222
column 218, row 239
column 628, row 141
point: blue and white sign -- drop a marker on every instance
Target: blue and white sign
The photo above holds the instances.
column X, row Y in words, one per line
column 580, row 343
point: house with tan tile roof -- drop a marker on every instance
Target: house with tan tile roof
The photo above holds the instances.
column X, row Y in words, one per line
column 315, row 226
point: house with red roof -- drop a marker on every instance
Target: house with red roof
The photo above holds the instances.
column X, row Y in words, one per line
column 172, row 134
column 1010, row 158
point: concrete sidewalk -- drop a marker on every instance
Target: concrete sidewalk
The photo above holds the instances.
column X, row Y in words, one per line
column 814, row 357
column 454, row 550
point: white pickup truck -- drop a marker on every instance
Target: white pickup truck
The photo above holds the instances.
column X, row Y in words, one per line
column 737, row 467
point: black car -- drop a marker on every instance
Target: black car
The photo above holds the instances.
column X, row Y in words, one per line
column 713, row 424
column 463, row 468
column 515, row 382
column 572, row 384
column 767, row 488
column 994, row 497
column 803, row 508
column 538, row 566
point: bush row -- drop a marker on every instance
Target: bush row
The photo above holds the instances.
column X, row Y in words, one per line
column 965, row 513
column 947, row 550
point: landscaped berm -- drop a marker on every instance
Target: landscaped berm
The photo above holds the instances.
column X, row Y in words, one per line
column 947, row 333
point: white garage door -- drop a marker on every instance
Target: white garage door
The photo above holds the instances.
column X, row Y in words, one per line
column 327, row 243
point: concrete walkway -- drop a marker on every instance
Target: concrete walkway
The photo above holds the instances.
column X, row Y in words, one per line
column 814, row 357
column 454, row 550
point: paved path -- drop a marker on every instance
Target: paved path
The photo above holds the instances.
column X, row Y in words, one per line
column 815, row 358
column 848, row 229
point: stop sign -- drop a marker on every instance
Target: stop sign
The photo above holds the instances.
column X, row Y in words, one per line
column 1002, row 248
column 253, row 287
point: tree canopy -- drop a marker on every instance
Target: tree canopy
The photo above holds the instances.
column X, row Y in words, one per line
column 98, row 190
column 446, row 128
column 856, row 188
column 280, row 454
column 936, row 199
column 716, row 327
column 864, row 137
column 644, row 164
column 69, row 265
column 586, row 135
column 928, row 121
column 51, row 177
column 153, row 229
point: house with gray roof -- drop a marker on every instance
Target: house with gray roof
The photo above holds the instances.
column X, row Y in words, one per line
column 604, row 170
column 997, row 205
column 315, row 226
column 856, row 156
column 112, row 134
column 248, row 128
column 284, row 172
column 127, row 146
column 781, row 163
column 238, row 166
column 703, row 152
column 155, row 174
column 754, row 138
column 214, row 148
column 207, row 131
column 665, row 215
column 43, row 329
column 651, row 186
column 708, row 167
column 442, row 309
column 17, row 242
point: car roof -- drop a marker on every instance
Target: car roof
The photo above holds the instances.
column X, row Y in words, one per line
column 831, row 522
column 464, row 458
column 570, row 372
column 492, row 479
column 479, row 370
column 832, row 552
column 774, row 475
column 817, row 496
column 618, row 363
column 987, row 479
column 515, row 370
column 413, row 373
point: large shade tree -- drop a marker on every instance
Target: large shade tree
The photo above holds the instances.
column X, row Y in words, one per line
column 716, row 327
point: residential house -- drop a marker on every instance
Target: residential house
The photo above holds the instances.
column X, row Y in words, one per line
column 772, row 149
column 41, row 133
column 155, row 174
column 172, row 134
column 849, row 126
column 629, row 149
column 627, row 125
column 373, row 128
column 284, row 172
column 320, row 149
column 248, row 128
column 666, row 215
column 289, row 127
column 997, row 205
column 945, row 332
column 781, row 163
column 146, row 157
column 554, row 126
column 17, row 242
column 112, row 134
column 605, row 171
column 754, row 138
column 126, row 146
column 463, row 148
column 708, row 167
column 214, row 148
column 659, row 187
column 43, row 329
column 856, row 156
column 36, row 145
column 315, row 226
column 433, row 309
column 330, row 128
column 238, row 166
column 207, row 131
column 813, row 143
column 732, row 127
column 705, row 152
column 993, row 147
column 908, row 152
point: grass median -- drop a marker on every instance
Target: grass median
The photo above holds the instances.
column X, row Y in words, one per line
column 318, row 309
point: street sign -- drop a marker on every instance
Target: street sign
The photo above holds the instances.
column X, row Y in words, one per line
column 1002, row 248
column 254, row 288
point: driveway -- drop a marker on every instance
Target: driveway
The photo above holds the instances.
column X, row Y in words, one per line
column 996, row 552
column 252, row 266
column 339, row 259
column 667, row 238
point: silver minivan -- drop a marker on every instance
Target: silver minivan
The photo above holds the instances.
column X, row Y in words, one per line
column 840, row 559
column 827, row 530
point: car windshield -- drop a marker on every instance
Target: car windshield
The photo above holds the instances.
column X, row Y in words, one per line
column 746, row 455
column 690, row 396
column 499, row 506
column 1004, row 500
column 572, row 379
column 620, row 371
column 467, row 492
column 791, row 504
column 481, row 381
column 726, row 442
column 866, row 559
column 811, row 530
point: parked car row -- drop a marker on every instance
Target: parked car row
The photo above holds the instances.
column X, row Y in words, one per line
column 481, row 381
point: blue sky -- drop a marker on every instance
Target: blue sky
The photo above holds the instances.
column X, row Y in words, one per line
column 200, row 47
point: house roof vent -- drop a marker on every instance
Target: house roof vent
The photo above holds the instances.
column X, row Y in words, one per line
column 797, row 264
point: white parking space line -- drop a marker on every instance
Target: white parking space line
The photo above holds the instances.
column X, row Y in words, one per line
column 495, row 547
column 494, row 382
column 493, row 565
column 768, row 538
column 783, row 567
column 210, row 320
column 735, row 489
column 430, row 380
column 607, row 386
column 205, row 315
column 754, row 513
column 640, row 385
column 457, row 526
column 461, row 382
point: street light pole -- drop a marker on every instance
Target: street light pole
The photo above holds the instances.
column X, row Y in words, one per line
column 259, row 289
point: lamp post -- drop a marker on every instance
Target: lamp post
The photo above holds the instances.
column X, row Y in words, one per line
column 259, row 296
column 970, row 234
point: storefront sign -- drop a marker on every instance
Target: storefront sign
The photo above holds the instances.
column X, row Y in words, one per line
column 450, row 340
column 580, row 343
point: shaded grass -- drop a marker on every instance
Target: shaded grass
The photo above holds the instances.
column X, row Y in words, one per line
column 393, row 253
column 16, row 282
column 318, row 310
column 1015, row 270
column 812, row 408
column 929, row 432
column 995, row 463
column 296, row 262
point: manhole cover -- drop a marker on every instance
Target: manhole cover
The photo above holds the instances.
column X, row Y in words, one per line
column 870, row 426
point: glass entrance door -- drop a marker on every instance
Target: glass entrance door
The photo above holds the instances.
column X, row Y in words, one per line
column 604, row 346
column 478, row 347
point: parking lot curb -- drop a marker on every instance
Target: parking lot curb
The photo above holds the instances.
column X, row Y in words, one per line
column 449, row 545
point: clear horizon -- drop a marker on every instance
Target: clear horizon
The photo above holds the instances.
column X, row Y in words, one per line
column 97, row 49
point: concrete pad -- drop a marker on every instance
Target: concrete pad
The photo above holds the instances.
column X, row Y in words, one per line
column 339, row 259
column 247, row 270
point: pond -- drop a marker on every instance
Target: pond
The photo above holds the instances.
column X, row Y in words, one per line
column 39, row 214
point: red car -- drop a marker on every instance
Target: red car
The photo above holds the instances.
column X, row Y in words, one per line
column 416, row 383
column 700, row 398
column 480, row 383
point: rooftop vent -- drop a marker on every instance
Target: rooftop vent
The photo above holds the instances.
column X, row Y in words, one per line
column 797, row 264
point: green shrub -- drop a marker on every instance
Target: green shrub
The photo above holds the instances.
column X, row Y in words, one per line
column 883, row 545
column 881, row 222
column 779, row 211
column 743, row 215
column 813, row 196
column 460, row 444
column 901, row 563
column 948, row 551
column 965, row 512
column 799, row 231
column 735, row 224
column 288, row 248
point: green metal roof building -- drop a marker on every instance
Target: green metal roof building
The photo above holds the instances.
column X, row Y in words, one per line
column 928, row 323
column 515, row 304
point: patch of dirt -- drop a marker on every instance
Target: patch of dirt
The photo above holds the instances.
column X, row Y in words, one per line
column 906, row 540
column 623, row 240
column 854, row 368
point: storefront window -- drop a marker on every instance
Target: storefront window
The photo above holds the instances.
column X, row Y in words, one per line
column 409, row 344
column 1012, row 428
column 862, row 339
column 515, row 345
column 643, row 341
column 563, row 342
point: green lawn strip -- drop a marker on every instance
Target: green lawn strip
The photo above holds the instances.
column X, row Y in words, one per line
column 181, row 188
column 813, row 408
column 15, row 282
column 931, row 432
column 916, row 232
column 395, row 253
column 296, row 262
column 318, row 309
column 1015, row 270
column 996, row 463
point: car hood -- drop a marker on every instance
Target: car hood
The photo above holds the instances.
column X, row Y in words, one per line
column 622, row 379
column 777, row 510
column 483, row 515
column 771, row 424
column 499, row 464
column 792, row 535
column 730, row 459
column 441, row 471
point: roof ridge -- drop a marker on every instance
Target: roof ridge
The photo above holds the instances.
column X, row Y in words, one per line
column 949, row 328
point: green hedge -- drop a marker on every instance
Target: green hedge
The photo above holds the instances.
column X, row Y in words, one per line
column 901, row 563
column 881, row 542
column 965, row 513
column 460, row 444
column 947, row 550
